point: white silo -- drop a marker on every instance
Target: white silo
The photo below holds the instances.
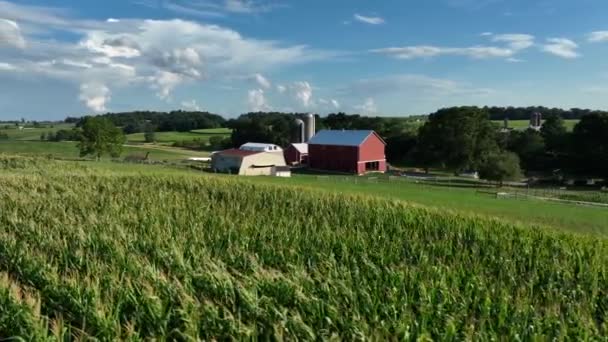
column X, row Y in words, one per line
column 302, row 131
column 310, row 126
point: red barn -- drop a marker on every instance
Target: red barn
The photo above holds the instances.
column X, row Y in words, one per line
column 296, row 154
column 355, row 152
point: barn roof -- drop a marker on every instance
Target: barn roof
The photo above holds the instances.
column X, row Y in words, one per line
column 302, row 148
column 238, row 153
column 342, row 138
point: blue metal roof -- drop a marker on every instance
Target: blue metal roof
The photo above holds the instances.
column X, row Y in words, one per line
column 340, row 138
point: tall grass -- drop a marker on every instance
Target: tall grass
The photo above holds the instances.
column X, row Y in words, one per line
column 112, row 256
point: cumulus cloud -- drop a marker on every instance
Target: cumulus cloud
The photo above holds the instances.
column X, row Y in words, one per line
column 95, row 96
column 281, row 89
column 256, row 101
column 303, row 93
column 184, row 62
column 368, row 20
column 10, row 34
column 262, row 81
column 164, row 82
column 561, row 47
column 160, row 54
column 367, row 107
column 190, row 105
column 598, row 36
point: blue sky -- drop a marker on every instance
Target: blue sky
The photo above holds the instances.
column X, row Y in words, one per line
column 390, row 58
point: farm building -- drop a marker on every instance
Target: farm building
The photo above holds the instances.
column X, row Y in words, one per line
column 281, row 171
column 258, row 147
column 247, row 163
column 356, row 152
column 296, row 154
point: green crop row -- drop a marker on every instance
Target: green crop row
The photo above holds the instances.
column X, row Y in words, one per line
column 85, row 253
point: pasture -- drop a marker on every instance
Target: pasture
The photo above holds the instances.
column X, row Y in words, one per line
column 524, row 124
column 69, row 149
column 157, row 254
column 170, row 137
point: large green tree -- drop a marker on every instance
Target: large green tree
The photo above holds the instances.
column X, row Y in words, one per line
column 500, row 167
column 457, row 138
column 99, row 136
column 590, row 145
column 529, row 145
column 554, row 133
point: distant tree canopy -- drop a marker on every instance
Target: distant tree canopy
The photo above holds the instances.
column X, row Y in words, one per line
column 181, row 121
column 457, row 138
column 273, row 128
column 99, row 137
column 590, row 145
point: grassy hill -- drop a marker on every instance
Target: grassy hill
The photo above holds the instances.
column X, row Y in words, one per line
column 150, row 253
column 170, row 137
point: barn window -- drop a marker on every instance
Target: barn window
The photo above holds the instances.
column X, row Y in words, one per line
column 372, row 166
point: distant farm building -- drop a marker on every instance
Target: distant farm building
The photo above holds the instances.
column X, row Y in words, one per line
column 296, row 154
column 258, row 147
column 357, row 152
column 250, row 160
column 281, row 171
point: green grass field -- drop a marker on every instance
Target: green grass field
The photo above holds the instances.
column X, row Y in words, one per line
column 68, row 149
column 170, row 137
column 135, row 252
column 30, row 133
column 524, row 124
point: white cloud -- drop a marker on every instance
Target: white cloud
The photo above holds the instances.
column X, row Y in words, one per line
column 256, row 101
column 102, row 43
column 476, row 52
column 514, row 44
column 7, row 67
column 10, row 34
column 515, row 60
column 186, row 62
column 331, row 102
column 164, row 82
column 369, row 20
column 414, row 85
column 303, row 93
column 515, row 41
column 95, row 96
column 598, row 36
column 213, row 8
column 281, row 88
column 112, row 20
column 262, row 81
column 190, row 105
column 368, row 107
column 486, row 34
column 561, row 47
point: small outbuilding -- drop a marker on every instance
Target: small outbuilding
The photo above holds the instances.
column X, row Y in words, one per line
column 281, row 171
column 246, row 163
column 296, row 154
column 352, row 151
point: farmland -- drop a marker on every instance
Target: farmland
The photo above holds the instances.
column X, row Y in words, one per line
column 69, row 149
column 128, row 255
column 524, row 124
column 169, row 137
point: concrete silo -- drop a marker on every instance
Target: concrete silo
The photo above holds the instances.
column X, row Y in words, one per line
column 310, row 126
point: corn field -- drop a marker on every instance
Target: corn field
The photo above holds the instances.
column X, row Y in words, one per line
column 100, row 254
